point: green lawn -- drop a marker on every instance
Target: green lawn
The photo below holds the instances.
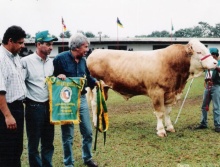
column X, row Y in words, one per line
column 132, row 139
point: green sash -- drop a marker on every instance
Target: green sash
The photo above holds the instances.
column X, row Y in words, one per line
column 64, row 99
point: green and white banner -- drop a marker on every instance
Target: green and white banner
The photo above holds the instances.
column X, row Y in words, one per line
column 64, row 99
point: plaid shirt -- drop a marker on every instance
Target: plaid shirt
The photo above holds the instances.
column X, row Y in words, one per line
column 12, row 80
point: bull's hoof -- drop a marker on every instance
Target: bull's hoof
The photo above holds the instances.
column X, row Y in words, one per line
column 170, row 130
column 162, row 133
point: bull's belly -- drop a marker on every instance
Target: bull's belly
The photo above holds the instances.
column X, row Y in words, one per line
column 129, row 91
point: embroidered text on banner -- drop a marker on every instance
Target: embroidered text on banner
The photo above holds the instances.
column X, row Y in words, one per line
column 64, row 99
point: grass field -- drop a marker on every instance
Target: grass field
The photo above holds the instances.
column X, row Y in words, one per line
column 132, row 139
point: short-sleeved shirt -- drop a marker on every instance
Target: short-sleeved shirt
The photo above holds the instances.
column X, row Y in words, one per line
column 2, row 84
column 11, row 74
column 64, row 63
column 36, row 70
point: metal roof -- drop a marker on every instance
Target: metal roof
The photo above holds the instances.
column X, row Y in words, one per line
column 133, row 40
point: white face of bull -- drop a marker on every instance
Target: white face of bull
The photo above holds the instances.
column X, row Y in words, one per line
column 201, row 59
column 208, row 62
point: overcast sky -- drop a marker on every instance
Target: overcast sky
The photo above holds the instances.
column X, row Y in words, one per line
column 139, row 17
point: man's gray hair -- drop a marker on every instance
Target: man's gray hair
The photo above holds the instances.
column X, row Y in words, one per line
column 77, row 40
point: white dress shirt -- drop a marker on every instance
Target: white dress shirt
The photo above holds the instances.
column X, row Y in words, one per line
column 36, row 71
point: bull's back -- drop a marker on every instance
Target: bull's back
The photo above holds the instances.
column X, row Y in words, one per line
column 114, row 62
column 124, row 71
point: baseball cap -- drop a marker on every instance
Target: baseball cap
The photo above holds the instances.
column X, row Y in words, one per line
column 213, row 50
column 44, row 36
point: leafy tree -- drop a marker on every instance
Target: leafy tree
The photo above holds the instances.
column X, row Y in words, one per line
column 164, row 33
column 202, row 30
column 185, row 33
column 216, row 30
column 28, row 36
column 141, row 36
column 155, row 34
column 197, row 31
column 80, row 31
column 105, row 36
column 206, row 29
column 65, row 34
column 159, row 34
column 53, row 36
column 89, row 34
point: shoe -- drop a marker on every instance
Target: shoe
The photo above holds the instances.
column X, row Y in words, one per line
column 91, row 163
column 201, row 127
column 217, row 130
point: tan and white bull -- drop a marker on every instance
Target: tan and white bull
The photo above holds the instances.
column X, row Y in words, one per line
column 160, row 74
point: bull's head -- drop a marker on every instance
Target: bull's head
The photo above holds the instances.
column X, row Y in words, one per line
column 201, row 58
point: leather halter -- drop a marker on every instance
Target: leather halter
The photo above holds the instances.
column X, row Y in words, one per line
column 205, row 57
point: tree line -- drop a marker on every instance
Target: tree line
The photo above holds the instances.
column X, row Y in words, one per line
column 202, row 30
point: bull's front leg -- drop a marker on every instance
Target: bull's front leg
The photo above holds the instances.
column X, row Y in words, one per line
column 158, row 102
column 168, row 123
column 91, row 97
column 94, row 106
column 160, row 128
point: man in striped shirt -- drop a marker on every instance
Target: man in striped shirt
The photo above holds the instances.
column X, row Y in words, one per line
column 12, row 92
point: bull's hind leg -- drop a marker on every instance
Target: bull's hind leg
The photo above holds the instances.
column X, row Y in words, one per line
column 168, row 123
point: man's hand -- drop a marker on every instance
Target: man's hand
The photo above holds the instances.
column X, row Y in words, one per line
column 97, row 83
column 9, row 119
column 61, row 76
column 10, row 122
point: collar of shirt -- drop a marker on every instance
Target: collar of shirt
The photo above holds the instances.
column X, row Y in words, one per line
column 39, row 58
column 71, row 56
column 9, row 54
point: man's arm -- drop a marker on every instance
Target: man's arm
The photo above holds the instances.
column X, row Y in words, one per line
column 57, row 67
column 91, row 82
column 9, row 119
column 58, row 70
column 24, row 67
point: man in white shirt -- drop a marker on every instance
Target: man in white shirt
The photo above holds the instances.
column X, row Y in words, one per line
column 12, row 93
column 37, row 67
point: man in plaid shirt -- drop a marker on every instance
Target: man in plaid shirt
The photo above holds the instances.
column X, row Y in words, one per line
column 12, row 92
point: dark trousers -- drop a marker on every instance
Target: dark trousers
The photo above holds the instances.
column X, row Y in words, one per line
column 11, row 141
column 39, row 130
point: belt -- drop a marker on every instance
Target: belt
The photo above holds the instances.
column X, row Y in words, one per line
column 16, row 102
column 210, row 83
column 27, row 100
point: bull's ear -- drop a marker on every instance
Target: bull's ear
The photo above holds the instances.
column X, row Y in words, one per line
column 189, row 49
